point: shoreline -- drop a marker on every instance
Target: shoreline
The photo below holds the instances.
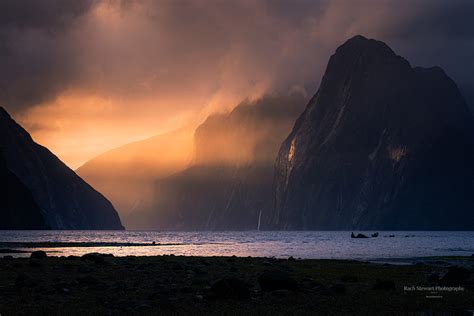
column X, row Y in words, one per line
column 307, row 245
column 24, row 249
column 103, row 284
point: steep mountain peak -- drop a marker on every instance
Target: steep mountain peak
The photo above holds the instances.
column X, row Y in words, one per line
column 364, row 58
column 382, row 145
column 361, row 43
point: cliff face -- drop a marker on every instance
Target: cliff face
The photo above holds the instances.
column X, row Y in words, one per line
column 381, row 145
column 228, row 185
column 66, row 201
column 211, row 198
column 18, row 209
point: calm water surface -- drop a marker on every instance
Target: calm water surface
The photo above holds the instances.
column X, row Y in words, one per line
column 304, row 244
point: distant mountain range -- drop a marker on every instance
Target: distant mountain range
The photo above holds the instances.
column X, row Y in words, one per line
column 126, row 175
column 228, row 185
column 381, row 145
column 218, row 177
column 38, row 191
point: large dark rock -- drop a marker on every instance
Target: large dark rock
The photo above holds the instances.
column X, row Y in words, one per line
column 95, row 257
column 53, row 194
column 38, row 254
column 381, row 145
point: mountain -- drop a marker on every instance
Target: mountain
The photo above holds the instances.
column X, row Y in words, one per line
column 126, row 174
column 45, row 189
column 228, row 184
column 18, row 209
column 381, row 145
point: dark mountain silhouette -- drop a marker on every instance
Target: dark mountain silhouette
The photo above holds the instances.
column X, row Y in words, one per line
column 228, row 184
column 381, row 145
column 18, row 209
column 65, row 200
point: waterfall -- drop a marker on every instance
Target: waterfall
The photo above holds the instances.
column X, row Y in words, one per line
column 259, row 219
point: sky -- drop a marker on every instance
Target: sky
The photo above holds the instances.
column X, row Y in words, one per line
column 85, row 76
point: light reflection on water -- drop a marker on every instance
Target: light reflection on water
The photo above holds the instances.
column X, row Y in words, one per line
column 304, row 244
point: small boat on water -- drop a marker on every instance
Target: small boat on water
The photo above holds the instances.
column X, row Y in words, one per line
column 375, row 234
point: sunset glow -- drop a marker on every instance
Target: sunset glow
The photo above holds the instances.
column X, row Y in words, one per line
column 107, row 73
column 78, row 128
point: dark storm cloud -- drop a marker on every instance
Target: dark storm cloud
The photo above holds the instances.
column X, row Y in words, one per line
column 439, row 18
column 41, row 14
column 440, row 33
column 170, row 49
column 35, row 60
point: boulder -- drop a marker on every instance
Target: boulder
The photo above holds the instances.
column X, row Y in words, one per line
column 94, row 257
column 230, row 288
column 39, row 254
column 276, row 280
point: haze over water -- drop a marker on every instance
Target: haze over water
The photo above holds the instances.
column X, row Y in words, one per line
column 299, row 244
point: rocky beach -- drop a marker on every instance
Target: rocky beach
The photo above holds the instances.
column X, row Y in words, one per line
column 101, row 284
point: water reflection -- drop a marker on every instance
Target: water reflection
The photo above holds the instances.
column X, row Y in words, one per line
column 315, row 244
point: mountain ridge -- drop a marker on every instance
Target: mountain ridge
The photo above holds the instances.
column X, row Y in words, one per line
column 228, row 183
column 126, row 174
column 361, row 154
column 17, row 205
column 67, row 201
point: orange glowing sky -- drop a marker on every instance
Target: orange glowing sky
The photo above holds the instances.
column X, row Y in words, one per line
column 87, row 76
column 79, row 127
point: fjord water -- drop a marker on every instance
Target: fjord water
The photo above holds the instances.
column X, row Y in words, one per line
column 279, row 244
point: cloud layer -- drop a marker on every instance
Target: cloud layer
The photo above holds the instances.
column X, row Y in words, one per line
column 152, row 65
